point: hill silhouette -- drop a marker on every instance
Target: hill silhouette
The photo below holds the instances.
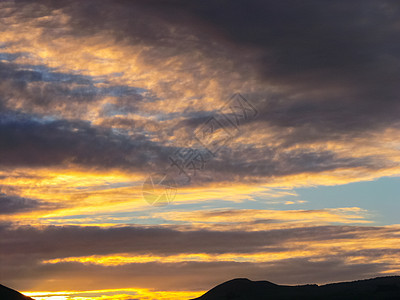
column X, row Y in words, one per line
column 382, row 288
column 9, row 294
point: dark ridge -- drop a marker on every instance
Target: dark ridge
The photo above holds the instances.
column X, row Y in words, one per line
column 380, row 288
column 9, row 294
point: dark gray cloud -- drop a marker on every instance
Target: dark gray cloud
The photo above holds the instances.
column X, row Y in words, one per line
column 246, row 161
column 11, row 204
column 29, row 142
column 165, row 241
column 188, row 275
column 337, row 62
column 23, row 249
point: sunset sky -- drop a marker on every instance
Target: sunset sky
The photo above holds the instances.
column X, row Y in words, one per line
column 298, row 182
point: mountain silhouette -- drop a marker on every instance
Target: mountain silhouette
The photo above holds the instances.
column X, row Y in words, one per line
column 9, row 294
column 381, row 288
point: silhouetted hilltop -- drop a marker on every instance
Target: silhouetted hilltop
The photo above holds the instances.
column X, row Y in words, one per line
column 382, row 288
column 9, row 294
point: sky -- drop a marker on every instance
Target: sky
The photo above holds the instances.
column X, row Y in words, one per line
column 152, row 149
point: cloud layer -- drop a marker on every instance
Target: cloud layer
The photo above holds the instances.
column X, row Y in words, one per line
column 97, row 95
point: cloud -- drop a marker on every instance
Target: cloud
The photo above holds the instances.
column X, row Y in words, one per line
column 258, row 220
column 92, row 240
column 46, row 92
column 324, row 85
column 10, row 204
column 193, row 276
column 94, row 88
column 296, row 255
column 63, row 142
column 29, row 142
